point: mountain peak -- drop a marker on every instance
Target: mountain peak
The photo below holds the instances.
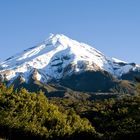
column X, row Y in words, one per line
column 60, row 56
column 54, row 36
column 59, row 38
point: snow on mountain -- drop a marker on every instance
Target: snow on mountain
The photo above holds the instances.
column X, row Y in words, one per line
column 60, row 56
column 118, row 61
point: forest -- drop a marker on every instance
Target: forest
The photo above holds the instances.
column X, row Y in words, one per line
column 30, row 115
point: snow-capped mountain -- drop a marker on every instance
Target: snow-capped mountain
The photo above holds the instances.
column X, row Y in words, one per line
column 59, row 57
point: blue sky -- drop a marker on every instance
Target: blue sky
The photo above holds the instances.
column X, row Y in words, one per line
column 111, row 26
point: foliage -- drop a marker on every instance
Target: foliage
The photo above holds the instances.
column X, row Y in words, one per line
column 24, row 114
column 114, row 118
column 33, row 116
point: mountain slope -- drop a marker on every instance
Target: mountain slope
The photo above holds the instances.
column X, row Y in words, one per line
column 60, row 57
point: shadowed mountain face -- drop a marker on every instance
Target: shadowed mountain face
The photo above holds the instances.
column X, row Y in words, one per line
column 67, row 63
column 131, row 76
column 99, row 81
column 77, row 85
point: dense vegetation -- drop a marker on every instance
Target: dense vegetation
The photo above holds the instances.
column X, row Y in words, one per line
column 34, row 116
column 30, row 115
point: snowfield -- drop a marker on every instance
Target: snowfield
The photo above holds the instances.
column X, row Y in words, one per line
column 60, row 56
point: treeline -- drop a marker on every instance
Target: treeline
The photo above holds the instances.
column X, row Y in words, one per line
column 114, row 119
column 33, row 116
column 30, row 115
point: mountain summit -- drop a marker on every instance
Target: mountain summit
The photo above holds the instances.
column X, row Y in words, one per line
column 60, row 57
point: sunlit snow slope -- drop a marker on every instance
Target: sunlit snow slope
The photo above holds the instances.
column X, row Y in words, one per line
column 60, row 56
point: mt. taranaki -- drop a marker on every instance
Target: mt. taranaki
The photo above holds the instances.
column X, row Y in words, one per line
column 66, row 62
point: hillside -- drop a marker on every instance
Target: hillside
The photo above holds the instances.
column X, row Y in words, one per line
column 68, row 63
